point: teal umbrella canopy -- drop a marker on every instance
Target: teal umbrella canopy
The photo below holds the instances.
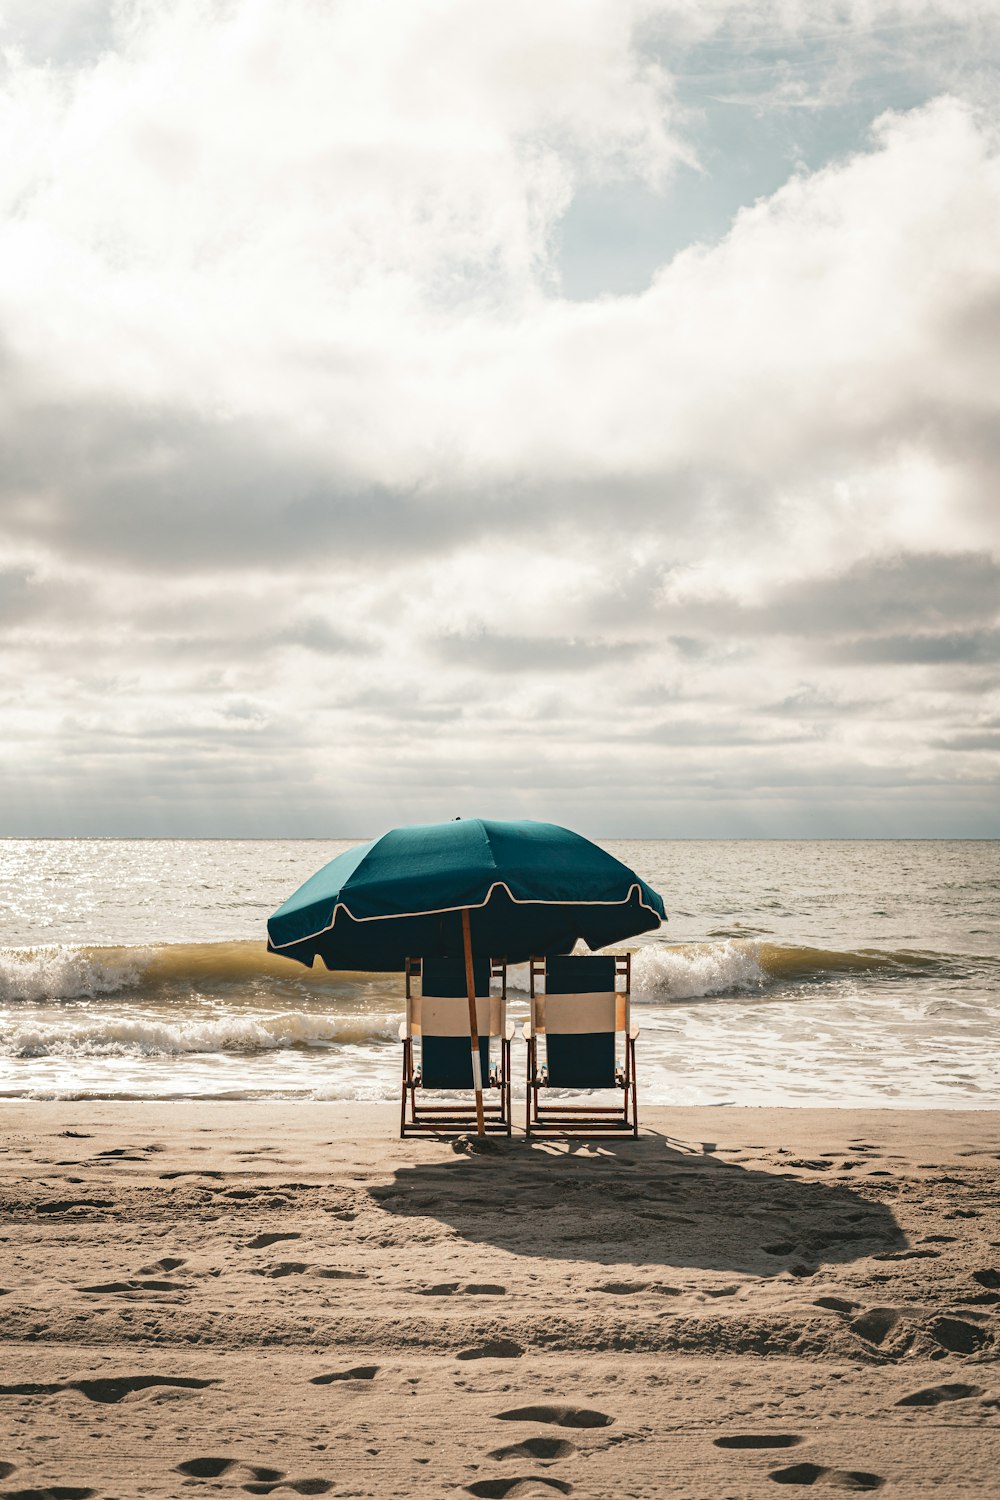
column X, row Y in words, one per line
column 530, row 889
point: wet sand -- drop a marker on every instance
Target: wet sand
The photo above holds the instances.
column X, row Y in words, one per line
column 255, row 1298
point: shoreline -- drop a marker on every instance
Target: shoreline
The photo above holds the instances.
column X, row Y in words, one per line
column 357, row 1110
column 247, row 1297
column 378, row 1118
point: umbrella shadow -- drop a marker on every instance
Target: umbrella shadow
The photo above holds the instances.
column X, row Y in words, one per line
column 648, row 1202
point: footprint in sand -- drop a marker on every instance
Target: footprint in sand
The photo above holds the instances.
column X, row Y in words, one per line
column 933, row 1395
column 559, row 1416
column 70, row 1205
column 758, row 1440
column 194, row 1172
column 167, row 1263
column 473, row 1289
column 493, row 1349
column 299, row 1486
column 205, row 1468
column 301, row 1267
column 263, row 1240
column 110, row 1389
column 213, row 1468
column 989, row 1278
column 498, row 1489
column 131, row 1286
column 6, row 1468
column 51, row 1492
column 909, row 1255
column 536, row 1447
column 283, row 1268
column 847, row 1479
column 358, row 1372
column 633, row 1288
column 957, row 1336
column 874, row 1325
column 836, row 1304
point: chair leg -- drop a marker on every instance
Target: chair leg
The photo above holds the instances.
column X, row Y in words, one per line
column 406, row 1079
column 507, row 1098
column 527, row 1090
column 635, row 1097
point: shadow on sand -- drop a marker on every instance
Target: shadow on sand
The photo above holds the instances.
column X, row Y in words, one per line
column 650, row 1202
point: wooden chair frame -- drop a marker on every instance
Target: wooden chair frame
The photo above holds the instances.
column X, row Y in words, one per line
column 424, row 1118
column 583, row 1119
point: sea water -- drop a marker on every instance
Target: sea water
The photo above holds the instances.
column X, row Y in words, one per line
column 826, row 973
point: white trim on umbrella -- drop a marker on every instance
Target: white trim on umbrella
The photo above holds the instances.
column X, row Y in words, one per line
column 434, row 911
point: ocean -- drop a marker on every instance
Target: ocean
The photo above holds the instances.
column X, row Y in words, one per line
column 856, row 973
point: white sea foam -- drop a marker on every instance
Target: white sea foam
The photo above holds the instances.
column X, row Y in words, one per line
column 107, row 1036
column 64, row 973
column 662, row 974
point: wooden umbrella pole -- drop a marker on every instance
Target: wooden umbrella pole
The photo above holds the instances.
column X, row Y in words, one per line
column 470, row 985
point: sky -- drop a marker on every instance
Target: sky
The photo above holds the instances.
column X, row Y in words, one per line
column 586, row 410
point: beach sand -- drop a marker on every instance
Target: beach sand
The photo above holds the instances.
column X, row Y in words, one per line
column 254, row 1298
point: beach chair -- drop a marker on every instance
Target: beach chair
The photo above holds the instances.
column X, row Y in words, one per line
column 580, row 1006
column 437, row 1055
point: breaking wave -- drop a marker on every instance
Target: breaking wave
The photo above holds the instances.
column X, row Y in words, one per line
column 246, row 972
column 66, row 973
column 104, row 1036
column 71, row 973
column 744, row 966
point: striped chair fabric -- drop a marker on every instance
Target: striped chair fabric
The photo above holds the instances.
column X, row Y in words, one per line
column 577, row 1016
column 437, row 1050
column 582, row 1020
column 440, row 1017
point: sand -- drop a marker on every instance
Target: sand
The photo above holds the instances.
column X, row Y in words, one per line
column 233, row 1298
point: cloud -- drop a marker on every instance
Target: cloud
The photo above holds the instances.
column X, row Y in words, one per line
column 491, row 652
column 982, row 739
column 956, row 647
column 314, row 633
column 872, row 598
column 14, row 592
column 302, row 439
column 67, row 34
column 709, row 732
column 197, row 430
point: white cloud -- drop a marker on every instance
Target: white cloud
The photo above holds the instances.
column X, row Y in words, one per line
column 301, row 441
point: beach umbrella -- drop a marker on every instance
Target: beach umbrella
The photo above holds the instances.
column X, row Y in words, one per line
column 506, row 890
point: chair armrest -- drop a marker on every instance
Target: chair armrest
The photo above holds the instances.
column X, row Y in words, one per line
column 404, row 1031
column 526, row 1031
column 509, row 1033
column 633, row 1033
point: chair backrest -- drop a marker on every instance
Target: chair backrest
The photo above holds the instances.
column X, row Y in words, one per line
column 439, row 1016
column 579, row 1015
